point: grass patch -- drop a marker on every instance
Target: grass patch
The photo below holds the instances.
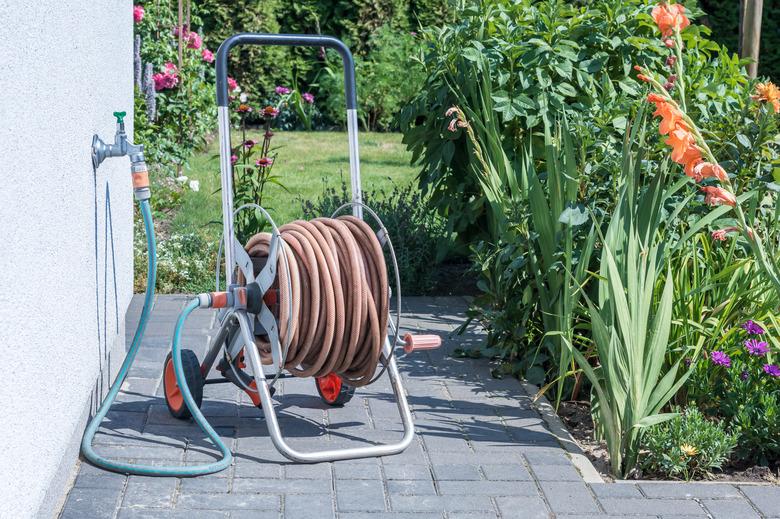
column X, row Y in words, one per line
column 308, row 162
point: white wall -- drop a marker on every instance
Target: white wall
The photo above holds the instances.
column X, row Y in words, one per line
column 65, row 66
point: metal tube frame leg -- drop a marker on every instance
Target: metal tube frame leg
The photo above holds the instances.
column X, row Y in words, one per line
column 333, row 454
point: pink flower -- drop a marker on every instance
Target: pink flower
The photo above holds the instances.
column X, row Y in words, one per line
column 756, row 347
column 282, row 91
column 710, row 170
column 720, row 358
column 138, row 13
column 270, row 112
column 207, row 56
column 193, row 39
column 718, row 196
column 233, row 159
column 232, row 85
column 772, row 370
column 719, row 235
column 309, row 98
column 249, row 144
column 264, row 162
column 167, row 79
column 244, row 108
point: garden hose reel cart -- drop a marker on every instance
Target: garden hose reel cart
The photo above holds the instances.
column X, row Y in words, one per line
column 252, row 307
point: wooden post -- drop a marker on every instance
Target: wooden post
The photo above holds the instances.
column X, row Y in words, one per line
column 751, row 33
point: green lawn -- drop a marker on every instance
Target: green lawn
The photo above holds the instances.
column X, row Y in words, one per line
column 307, row 163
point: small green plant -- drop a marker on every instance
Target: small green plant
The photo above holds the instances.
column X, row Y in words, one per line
column 688, row 446
column 414, row 230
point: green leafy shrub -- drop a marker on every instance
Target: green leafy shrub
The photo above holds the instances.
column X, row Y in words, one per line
column 174, row 120
column 386, row 80
column 185, row 262
column 414, row 230
column 688, row 446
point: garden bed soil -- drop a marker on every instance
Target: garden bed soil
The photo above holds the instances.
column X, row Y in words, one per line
column 576, row 416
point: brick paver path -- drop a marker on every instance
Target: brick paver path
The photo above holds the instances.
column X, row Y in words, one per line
column 481, row 451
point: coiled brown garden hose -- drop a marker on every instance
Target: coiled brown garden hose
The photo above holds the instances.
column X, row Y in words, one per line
column 338, row 293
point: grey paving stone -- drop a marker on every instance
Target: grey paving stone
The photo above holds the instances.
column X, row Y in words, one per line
column 489, row 488
column 156, row 513
column 391, row 515
column 690, row 490
column 472, row 515
column 456, row 472
column 306, row 471
column 149, row 492
column 228, row 502
column 546, row 456
column 412, row 487
column 766, row 498
column 246, row 468
column 621, row 506
column 347, row 470
column 206, row 484
column 556, row 473
column 406, row 472
column 569, row 497
column 254, row 514
column 360, row 495
column 463, row 503
column 282, row 486
column 616, row 490
column 107, row 480
column 729, row 508
column 506, row 472
column 318, row 506
column 94, row 503
column 523, row 507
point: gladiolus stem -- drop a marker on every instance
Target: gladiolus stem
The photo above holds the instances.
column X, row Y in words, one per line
column 679, row 66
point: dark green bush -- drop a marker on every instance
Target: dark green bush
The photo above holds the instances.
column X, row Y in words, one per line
column 386, row 80
column 686, row 447
column 723, row 18
column 414, row 230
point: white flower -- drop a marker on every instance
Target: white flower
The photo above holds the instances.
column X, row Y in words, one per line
column 243, row 97
column 182, row 179
column 195, row 185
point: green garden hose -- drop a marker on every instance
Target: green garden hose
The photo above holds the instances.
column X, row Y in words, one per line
column 105, row 406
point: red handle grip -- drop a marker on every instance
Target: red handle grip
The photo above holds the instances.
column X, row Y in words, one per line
column 421, row 342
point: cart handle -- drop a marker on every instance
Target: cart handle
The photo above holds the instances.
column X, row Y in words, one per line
column 288, row 40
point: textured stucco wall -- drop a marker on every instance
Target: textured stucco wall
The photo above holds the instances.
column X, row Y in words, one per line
column 64, row 67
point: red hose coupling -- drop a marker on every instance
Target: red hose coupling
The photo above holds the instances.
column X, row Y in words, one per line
column 421, row 342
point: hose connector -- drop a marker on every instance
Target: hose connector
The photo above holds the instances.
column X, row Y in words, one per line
column 140, row 181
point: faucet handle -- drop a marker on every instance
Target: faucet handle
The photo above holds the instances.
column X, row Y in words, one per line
column 120, row 117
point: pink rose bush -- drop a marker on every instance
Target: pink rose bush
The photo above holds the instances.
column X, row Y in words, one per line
column 167, row 79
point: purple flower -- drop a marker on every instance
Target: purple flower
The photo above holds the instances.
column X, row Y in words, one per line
column 752, row 328
column 756, row 347
column 772, row 370
column 233, row 159
column 744, row 374
column 249, row 143
column 309, row 98
column 282, row 90
column 720, row 358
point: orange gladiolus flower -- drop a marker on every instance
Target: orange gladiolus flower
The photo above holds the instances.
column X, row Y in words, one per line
column 668, row 17
column 683, row 145
column 710, row 170
column 670, row 117
column 768, row 93
column 718, row 196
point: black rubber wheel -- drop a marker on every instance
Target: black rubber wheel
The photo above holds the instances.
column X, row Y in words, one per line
column 173, row 397
column 333, row 391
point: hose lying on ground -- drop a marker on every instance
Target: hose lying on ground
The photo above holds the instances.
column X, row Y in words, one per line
column 338, row 288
